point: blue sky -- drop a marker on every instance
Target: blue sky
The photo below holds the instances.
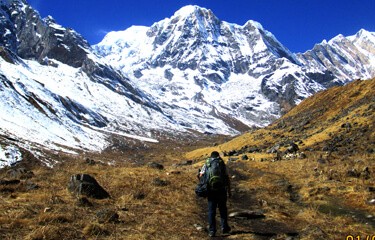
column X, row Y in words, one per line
column 298, row 24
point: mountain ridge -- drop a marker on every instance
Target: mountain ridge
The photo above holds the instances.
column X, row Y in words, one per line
column 195, row 45
column 188, row 73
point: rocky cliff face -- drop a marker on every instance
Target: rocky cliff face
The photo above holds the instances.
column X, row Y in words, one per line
column 33, row 38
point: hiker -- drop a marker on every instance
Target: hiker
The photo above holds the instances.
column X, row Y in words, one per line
column 218, row 186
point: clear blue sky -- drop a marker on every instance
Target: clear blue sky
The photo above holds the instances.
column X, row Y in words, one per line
column 298, row 24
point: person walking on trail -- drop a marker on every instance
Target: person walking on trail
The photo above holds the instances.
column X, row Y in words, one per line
column 218, row 184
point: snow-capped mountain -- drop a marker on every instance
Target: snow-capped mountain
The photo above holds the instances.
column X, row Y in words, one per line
column 347, row 58
column 55, row 92
column 191, row 71
column 209, row 68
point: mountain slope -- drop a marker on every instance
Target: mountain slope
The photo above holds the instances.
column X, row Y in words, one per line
column 205, row 65
column 339, row 120
column 202, row 64
column 347, row 58
column 57, row 93
column 312, row 170
column 185, row 74
column 318, row 197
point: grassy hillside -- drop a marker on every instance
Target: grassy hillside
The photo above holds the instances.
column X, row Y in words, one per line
column 325, row 190
column 340, row 112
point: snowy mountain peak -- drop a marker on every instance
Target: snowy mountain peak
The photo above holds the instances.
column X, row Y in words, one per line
column 362, row 35
column 192, row 16
column 188, row 10
column 338, row 38
column 131, row 34
column 193, row 11
column 254, row 24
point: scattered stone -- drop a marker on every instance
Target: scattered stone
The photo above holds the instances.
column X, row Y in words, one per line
column 322, row 161
column 160, row 182
column 245, row 157
column 366, row 173
column 47, row 209
column 332, row 174
column 56, row 200
column 187, row 163
column 293, row 148
column 233, row 153
column 139, row 196
column 84, row 202
column 90, row 161
column 84, row 184
column 9, row 182
column 371, row 189
column 346, row 126
column 353, row 173
column 247, row 214
column 19, row 173
column 198, row 227
column 253, row 149
column 372, row 201
column 125, row 209
column 174, row 172
column 107, row 216
column 155, row 165
column 31, row 186
column 232, row 159
column 274, row 149
column 291, row 156
column 278, row 156
column 262, row 202
column 184, row 163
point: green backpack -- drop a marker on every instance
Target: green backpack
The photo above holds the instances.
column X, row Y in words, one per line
column 215, row 174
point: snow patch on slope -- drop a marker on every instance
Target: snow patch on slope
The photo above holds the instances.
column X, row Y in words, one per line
column 29, row 87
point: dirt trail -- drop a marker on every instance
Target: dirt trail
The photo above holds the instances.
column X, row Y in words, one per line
column 246, row 218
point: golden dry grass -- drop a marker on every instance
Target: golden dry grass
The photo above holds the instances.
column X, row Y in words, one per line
column 46, row 213
column 316, row 191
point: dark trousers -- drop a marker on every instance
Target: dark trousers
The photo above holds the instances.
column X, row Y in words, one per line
column 217, row 201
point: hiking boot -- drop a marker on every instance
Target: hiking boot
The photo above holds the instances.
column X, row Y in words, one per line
column 226, row 230
column 211, row 234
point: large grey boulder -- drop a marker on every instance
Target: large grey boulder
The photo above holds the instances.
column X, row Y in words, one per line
column 84, row 184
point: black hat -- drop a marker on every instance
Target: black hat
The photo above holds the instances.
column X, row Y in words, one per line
column 215, row 154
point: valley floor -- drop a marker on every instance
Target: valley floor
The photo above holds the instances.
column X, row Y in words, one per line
column 310, row 198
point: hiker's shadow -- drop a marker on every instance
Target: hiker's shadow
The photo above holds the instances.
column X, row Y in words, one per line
column 250, row 218
column 264, row 228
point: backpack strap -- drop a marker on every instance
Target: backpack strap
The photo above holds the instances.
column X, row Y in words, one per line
column 208, row 162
